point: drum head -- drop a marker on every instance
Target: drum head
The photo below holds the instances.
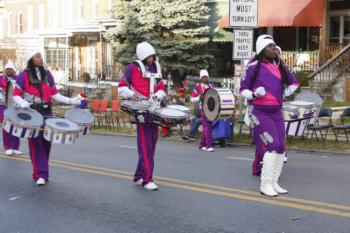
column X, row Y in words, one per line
column 211, row 104
column 79, row 116
column 61, row 124
column 24, row 117
column 170, row 113
column 9, row 94
column 135, row 105
column 304, row 104
column 179, row 107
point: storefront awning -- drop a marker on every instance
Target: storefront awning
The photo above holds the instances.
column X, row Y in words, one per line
column 287, row 13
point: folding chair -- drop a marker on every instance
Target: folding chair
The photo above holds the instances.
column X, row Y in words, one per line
column 344, row 126
column 323, row 114
column 104, row 112
column 95, row 108
column 117, row 114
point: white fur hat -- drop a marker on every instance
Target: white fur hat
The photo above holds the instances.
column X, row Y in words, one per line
column 10, row 65
column 203, row 73
column 262, row 42
column 144, row 50
column 31, row 53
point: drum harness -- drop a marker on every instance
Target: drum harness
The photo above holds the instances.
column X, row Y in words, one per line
column 41, row 107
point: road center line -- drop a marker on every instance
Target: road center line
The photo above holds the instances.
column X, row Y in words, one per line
column 206, row 188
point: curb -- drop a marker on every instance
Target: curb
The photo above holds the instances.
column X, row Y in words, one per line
column 310, row 151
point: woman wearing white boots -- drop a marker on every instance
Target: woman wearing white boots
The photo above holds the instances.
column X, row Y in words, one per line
column 265, row 84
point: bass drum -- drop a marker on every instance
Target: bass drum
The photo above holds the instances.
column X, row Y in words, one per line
column 218, row 104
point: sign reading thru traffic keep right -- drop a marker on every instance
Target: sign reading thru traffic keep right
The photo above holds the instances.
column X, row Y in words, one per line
column 242, row 44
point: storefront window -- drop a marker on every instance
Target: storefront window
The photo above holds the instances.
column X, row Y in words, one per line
column 334, row 24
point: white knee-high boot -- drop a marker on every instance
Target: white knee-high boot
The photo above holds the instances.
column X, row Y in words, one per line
column 279, row 161
column 267, row 174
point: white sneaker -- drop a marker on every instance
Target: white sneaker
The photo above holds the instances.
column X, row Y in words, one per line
column 210, row 149
column 150, row 186
column 9, row 152
column 139, row 182
column 40, row 182
column 285, row 159
column 203, row 148
column 17, row 152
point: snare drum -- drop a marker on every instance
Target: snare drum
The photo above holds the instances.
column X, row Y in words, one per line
column 61, row 131
column 22, row 122
column 83, row 117
column 290, row 112
column 168, row 117
column 306, row 109
column 218, row 103
column 135, row 108
column 180, row 107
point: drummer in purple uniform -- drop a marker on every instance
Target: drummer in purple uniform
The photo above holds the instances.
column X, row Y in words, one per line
column 136, row 85
column 35, row 88
column 206, row 143
column 10, row 142
column 265, row 84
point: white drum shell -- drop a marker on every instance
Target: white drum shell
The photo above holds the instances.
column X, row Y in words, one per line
column 61, row 136
column 224, row 104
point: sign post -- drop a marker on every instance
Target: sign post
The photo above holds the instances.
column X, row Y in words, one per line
column 243, row 18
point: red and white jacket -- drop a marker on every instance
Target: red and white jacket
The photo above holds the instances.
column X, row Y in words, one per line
column 135, row 82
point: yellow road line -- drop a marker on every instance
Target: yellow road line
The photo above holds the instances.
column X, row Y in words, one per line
column 258, row 199
column 216, row 187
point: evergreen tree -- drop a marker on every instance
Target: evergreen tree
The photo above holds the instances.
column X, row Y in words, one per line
column 176, row 28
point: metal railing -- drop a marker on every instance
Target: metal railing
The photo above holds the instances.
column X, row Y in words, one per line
column 329, row 72
column 301, row 60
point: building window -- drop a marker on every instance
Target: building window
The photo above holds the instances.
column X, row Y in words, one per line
column 41, row 16
column 81, row 9
column 19, row 22
column 9, row 24
column 110, row 4
column 29, row 18
column 334, row 29
column 339, row 29
column 346, row 29
column 1, row 25
column 95, row 9
column 55, row 53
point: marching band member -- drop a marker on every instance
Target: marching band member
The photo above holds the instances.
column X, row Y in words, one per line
column 206, row 143
column 137, row 84
column 264, row 86
column 10, row 142
column 35, row 88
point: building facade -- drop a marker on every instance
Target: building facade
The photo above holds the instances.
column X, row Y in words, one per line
column 69, row 34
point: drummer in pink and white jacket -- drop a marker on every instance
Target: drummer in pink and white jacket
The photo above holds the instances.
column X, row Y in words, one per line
column 35, row 88
column 206, row 143
column 136, row 85
column 10, row 143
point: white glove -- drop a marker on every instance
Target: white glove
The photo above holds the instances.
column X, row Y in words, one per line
column 260, row 92
column 75, row 100
column 125, row 92
column 290, row 90
column 160, row 95
column 247, row 94
column 22, row 103
column 25, row 104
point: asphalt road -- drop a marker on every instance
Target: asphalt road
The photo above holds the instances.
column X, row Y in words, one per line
column 90, row 190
